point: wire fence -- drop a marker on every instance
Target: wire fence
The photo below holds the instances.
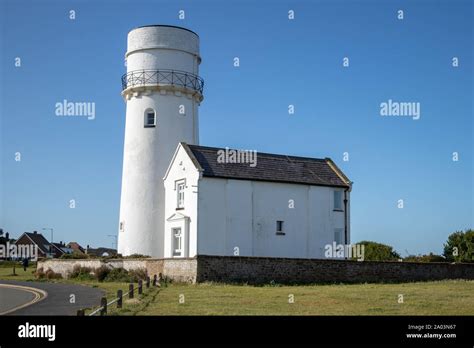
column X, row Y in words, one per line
column 104, row 305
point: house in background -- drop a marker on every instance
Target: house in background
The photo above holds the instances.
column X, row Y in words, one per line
column 76, row 247
column 60, row 249
column 45, row 248
column 286, row 206
column 100, row 252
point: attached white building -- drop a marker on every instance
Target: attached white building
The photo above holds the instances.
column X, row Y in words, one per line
column 279, row 206
column 284, row 206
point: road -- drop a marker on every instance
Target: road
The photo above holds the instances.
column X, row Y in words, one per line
column 43, row 298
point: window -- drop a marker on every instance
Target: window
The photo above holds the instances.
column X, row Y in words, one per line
column 180, row 186
column 121, row 226
column 338, row 200
column 150, row 118
column 338, row 235
column 177, row 241
column 279, row 227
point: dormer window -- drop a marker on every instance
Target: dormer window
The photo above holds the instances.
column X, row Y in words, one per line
column 150, row 118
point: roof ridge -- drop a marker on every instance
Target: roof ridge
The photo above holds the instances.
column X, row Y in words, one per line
column 260, row 153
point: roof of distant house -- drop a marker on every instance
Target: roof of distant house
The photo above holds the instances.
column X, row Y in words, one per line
column 39, row 240
column 75, row 246
column 100, row 251
column 269, row 167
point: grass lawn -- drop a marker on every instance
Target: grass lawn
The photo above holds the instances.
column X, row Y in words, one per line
column 423, row 298
column 449, row 297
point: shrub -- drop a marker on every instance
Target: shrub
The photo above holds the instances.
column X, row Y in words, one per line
column 460, row 247
column 39, row 274
column 118, row 275
column 122, row 275
column 50, row 274
column 75, row 255
column 137, row 274
column 378, row 252
column 136, row 256
column 101, row 273
column 164, row 281
column 425, row 258
column 81, row 273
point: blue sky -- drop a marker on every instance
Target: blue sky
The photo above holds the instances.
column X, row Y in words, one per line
column 282, row 62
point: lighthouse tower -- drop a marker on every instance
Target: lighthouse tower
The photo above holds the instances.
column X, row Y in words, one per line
column 162, row 91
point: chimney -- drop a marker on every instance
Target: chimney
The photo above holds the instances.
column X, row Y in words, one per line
column 7, row 236
column 35, row 232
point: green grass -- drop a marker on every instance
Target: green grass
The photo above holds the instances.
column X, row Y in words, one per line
column 422, row 298
column 6, row 272
column 449, row 297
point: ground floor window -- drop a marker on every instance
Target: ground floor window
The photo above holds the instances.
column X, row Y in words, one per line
column 338, row 234
column 177, row 241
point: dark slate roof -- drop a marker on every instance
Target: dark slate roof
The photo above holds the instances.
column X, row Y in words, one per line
column 270, row 167
column 39, row 240
column 100, row 251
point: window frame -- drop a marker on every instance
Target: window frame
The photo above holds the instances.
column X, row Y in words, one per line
column 177, row 236
column 280, row 227
column 179, row 201
column 341, row 232
column 146, row 124
column 340, row 206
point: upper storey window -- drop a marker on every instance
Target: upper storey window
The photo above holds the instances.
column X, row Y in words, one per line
column 150, row 118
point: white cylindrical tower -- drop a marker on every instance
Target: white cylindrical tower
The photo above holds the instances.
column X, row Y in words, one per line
column 162, row 90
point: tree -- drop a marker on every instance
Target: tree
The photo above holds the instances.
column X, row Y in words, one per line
column 460, row 246
column 425, row 258
column 378, row 252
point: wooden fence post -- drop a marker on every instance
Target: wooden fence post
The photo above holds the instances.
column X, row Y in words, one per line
column 140, row 287
column 119, row 301
column 147, row 281
column 103, row 304
column 130, row 290
column 154, row 280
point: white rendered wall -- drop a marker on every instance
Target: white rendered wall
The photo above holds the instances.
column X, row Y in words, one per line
column 243, row 214
column 182, row 168
column 148, row 151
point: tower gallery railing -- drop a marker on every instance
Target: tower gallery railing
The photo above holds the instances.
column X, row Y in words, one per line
column 162, row 77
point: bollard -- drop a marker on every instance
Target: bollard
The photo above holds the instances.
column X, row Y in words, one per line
column 140, row 287
column 154, row 280
column 147, row 282
column 130, row 290
column 80, row 312
column 119, row 295
column 103, row 304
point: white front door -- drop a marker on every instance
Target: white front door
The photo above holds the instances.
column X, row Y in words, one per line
column 177, row 242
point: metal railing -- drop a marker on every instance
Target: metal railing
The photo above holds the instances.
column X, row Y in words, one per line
column 162, row 77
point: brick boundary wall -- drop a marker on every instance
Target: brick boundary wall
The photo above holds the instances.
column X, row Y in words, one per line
column 258, row 270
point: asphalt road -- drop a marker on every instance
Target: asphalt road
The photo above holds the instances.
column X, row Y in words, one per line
column 13, row 297
column 60, row 299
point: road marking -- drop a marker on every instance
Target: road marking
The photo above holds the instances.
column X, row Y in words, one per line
column 39, row 296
